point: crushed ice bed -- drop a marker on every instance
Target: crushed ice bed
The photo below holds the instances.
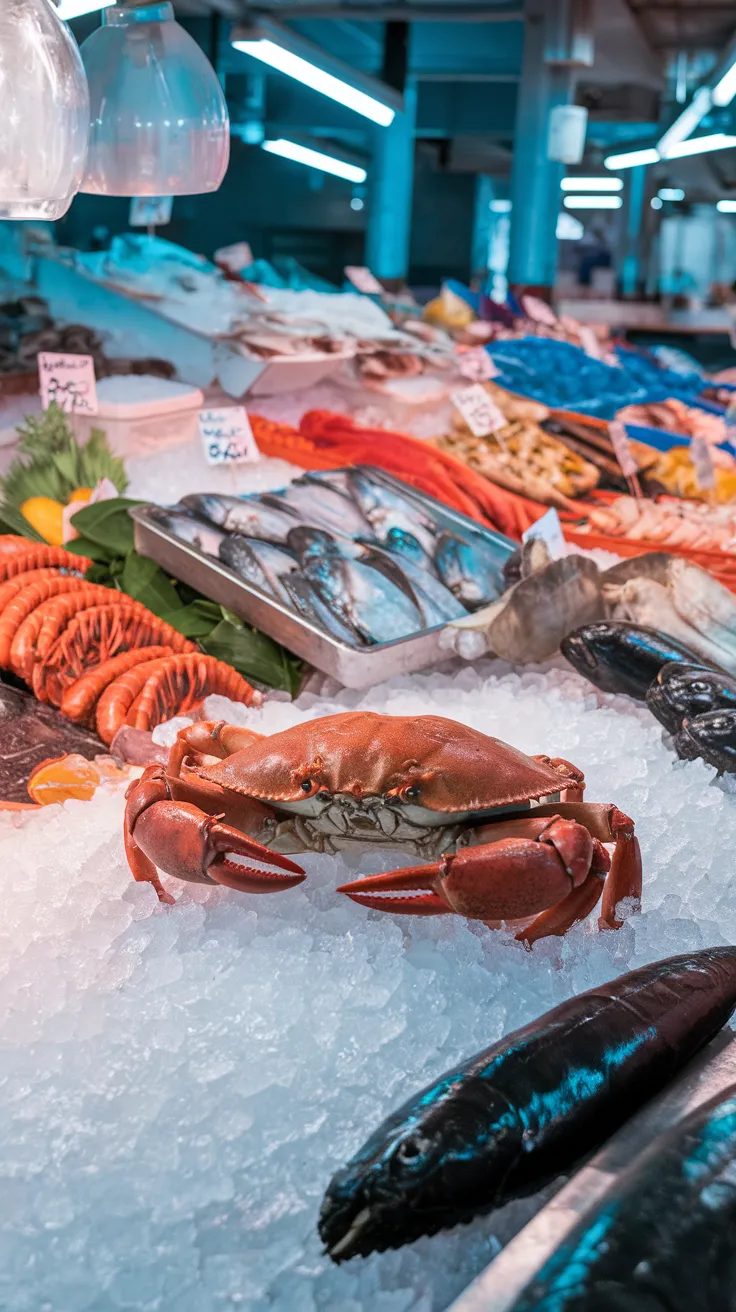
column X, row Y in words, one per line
column 177, row 1085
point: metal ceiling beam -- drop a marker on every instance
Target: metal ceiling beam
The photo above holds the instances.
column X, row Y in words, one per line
column 396, row 13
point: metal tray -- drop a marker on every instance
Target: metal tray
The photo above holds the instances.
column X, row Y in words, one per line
column 353, row 667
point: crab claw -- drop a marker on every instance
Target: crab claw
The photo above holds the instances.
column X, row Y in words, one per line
column 185, row 842
column 370, row 891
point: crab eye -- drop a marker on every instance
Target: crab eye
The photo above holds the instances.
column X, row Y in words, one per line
column 307, row 785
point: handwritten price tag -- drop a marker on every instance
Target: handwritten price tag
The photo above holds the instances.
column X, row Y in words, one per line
column 539, row 311
column 477, row 365
column 620, row 443
column 702, row 458
column 69, row 380
column 549, row 530
column 150, row 211
column 227, row 437
column 480, row 413
column 363, row 279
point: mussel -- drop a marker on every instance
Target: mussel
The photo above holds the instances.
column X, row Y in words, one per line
column 619, row 657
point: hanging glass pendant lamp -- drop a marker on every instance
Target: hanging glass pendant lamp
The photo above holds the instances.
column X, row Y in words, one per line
column 44, row 112
column 159, row 122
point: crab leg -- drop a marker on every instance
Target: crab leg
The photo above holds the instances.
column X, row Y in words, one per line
column 183, row 840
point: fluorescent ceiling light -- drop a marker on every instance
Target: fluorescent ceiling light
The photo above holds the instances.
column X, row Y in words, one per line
column 702, row 145
column 656, row 203
column 568, row 227
column 670, row 193
column 727, row 206
column 592, row 184
column 501, row 206
column 593, row 202
column 725, row 90
column 686, row 123
column 294, row 66
column 631, row 158
column 69, row 9
column 315, row 159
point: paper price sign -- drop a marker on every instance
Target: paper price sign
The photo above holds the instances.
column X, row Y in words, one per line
column 539, row 311
column 477, row 365
column 549, row 530
column 702, row 458
column 227, row 437
column 620, row 442
column 480, row 413
column 150, row 211
column 364, row 280
column 69, row 380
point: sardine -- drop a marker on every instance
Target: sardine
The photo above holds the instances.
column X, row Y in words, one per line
column 711, row 737
column 528, row 1108
column 363, row 599
column 661, row 1239
column 470, row 568
column 245, row 515
column 386, row 510
column 320, row 505
column 400, row 542
column 309, row 604
column 437, row 604
column 261, row 563
column 623, row 657
column 188, row 529
column 681, row 692
column 309, row 543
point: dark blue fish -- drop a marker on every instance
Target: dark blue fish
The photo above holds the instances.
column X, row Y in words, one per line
column 514, row 1117
column 712, row 737
column 261, row 563
column 681, row 692
column 471, row 568
column 385, row 509
column 400, row 542
column 663, row 1238
column 363, row 599
column 620, row 657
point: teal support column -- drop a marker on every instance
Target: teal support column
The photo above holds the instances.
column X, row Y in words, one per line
column 630, row 271
column 391, row 190
column 482, row 225
column 535, row 179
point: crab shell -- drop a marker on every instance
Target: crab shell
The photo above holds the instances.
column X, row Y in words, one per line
column 435, row 766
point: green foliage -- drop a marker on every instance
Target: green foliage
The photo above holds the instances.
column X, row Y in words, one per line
column 254, row 656
column 53, row 464
column 108, row 525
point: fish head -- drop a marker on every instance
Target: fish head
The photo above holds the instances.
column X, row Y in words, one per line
column 685, row 691
column 211, row 507
column 711, row 736
column 427, row 1167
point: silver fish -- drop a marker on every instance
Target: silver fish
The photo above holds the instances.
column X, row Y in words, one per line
column 309, row 604
column 320, row 505
column 261, row 563
column 400, row 542
column 246, row 515
column 309, row 543
column 188, row 529
column 436, row 603
column 470, row 568
column 386, row 510
column 364, row 599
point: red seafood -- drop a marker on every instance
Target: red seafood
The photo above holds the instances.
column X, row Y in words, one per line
column 506, row 837
column 93, row 636
column 36, row 555
column 28, row 598
column 80, row 698
column 37, row 630
column 13, row 586
column 152, row 692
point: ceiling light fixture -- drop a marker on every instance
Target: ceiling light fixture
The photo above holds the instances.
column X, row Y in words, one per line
column 725, row 90
column 685, row 123
column 593, row 202
column 45, row 112
column 592, row 184
column 289, row 53
column 159, row 122
column 315, row 159
column 656, row 202
column 631, row 158
column 702, row 145
column 726, row 206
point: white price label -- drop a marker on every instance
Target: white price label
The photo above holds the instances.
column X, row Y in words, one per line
column 589, row 341
column 69, row 380
column 477, row 365
column 480, row 413
column 227, row 437
column 234, row 258
column 620, row 441
column 150, row 211
column 549, row 530
column 363, row 279
column 539, row 311
column 702, row 458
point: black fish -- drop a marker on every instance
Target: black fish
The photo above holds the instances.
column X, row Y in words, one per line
column 711, row 736
column 517, row 1115
column 619, row 657
column 681, row 692
column 663, row 1238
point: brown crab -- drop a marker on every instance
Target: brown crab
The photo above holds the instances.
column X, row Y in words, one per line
column 504, row 837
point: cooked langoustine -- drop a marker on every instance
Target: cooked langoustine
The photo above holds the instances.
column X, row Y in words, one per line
column 27, row 599
column 37, row 629
column 36, row 555
column 151, row 692
column 80, row 698
column 11, row 587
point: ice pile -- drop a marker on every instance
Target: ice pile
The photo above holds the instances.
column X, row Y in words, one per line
column 178, row 1084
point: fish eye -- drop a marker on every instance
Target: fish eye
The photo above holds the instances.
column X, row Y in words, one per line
column 412, row 793
column 699, row 687
column 307, row 785
column 411, row 1148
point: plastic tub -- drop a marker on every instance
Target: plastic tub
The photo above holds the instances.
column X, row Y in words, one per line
column 141, row 414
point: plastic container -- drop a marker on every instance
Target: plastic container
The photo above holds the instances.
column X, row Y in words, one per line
column 141, row 414
column 45, row 109
column 159, row 122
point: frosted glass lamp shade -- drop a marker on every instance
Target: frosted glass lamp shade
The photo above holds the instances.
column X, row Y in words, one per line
column 159, row 122
column 44, row 112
